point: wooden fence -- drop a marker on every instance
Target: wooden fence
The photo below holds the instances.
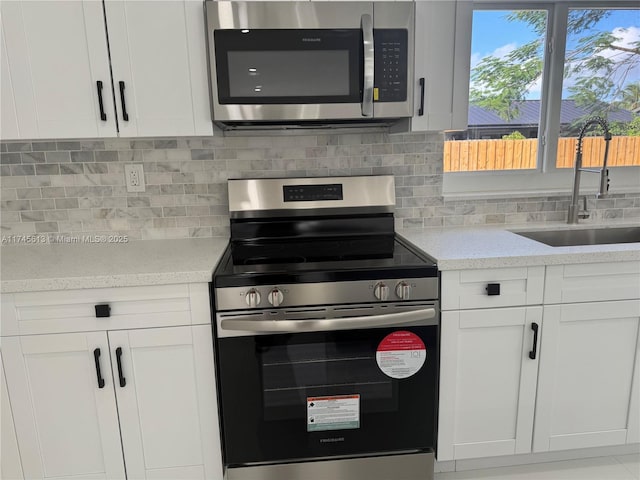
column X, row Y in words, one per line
column 476, row 155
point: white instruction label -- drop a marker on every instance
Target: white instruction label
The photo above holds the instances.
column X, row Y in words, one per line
column 401, row 354
column 338, row 412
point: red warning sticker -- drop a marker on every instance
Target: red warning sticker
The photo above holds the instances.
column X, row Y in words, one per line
column 401, row 354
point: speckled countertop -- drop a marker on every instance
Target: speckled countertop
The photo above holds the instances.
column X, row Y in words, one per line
column 26, row 268
column 494, row 247
column 156, row 262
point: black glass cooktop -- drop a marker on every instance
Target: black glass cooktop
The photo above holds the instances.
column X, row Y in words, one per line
column 322, row 260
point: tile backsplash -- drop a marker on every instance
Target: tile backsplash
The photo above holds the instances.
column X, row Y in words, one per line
column 63, row 189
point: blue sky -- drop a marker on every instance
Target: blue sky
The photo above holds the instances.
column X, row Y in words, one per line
column 493, row 35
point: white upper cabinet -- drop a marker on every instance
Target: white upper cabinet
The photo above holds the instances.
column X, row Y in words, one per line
column 158, row 55
column 56, row 81
column 442, row 63
column 54, row 55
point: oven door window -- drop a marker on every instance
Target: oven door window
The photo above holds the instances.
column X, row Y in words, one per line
column 289, row 66
column 321, row 395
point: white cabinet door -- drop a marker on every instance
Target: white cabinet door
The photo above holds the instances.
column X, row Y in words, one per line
column 10, row 466
column 487, row 382
column 588, row 370
column 66, row 423
column 56, row 52
column 166, row 402
column 442, row 61
column 158, row 54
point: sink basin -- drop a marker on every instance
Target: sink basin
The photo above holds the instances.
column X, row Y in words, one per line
column 588, row 236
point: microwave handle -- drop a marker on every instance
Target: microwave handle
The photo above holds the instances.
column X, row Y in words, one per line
column 328, row 324
column 366, row 24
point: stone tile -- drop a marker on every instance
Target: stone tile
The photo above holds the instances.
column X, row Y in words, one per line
column 10, row 159
column 32, row 216
column 48, row 169
column 23, row 170
column 28, row 193
column 43, row 146
column 65, row 145
column 66, row 203
column 82, row 157
column 71, row 169
column 43, row 204
column 164, row 144
column 96, row 168
column 5, row 171
column 107, row 156
column 18, row 147
column 52, row 192
column 57, row 157
column 32, row 157
column 92, row 145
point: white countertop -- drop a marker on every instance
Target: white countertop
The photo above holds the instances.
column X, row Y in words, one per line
column 28, row 268
column 157, row 262
column 494, row 247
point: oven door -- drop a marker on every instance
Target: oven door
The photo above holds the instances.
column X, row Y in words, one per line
column 290, row 61
column 322, row 394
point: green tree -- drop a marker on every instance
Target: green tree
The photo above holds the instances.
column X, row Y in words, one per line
column 500, row 84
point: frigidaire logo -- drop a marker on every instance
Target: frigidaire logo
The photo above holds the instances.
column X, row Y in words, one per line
column 311, row 39
column 332, row 440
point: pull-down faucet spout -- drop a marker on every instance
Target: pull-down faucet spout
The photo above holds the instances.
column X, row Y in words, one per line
column 574, row 208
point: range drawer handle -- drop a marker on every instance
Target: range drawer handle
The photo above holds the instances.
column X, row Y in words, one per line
column 327, row 324
column 532, row 353
column 493, row 289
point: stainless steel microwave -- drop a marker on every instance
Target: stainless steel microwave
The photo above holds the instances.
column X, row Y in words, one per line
column 309, row 63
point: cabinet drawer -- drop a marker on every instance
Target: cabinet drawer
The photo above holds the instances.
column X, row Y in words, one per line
column 462, row 289
column 128, row 307
column 592, row 282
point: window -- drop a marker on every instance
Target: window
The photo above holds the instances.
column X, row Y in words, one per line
column 538, row 71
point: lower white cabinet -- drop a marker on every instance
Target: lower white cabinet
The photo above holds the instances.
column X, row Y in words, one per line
column 111, row 403
column 589, row 376
column 488, row 381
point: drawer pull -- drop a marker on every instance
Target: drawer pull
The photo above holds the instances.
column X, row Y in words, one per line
column 532, row 353
column 96, row 358
column 103, row 310
column 123, row 381
column 493, row 289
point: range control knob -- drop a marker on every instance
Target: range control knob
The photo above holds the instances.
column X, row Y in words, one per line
column 252, row 298
column 275, row 297
column 403, row 290
column 381, row 291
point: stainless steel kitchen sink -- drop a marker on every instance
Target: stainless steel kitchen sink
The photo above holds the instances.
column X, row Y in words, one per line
column 586, row 236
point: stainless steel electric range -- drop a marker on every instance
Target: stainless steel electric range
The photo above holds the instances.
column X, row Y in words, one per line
column 326, row 334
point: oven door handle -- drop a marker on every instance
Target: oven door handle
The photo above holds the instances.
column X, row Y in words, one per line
column 327, row 324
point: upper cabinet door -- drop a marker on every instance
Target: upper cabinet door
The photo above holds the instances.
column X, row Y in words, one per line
column 56, row 53
column 442, row 62
column 158, row 54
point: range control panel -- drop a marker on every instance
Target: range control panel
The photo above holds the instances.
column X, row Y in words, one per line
column 390, row 69
column 312, row 193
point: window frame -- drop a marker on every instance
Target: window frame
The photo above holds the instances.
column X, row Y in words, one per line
column 546, row 179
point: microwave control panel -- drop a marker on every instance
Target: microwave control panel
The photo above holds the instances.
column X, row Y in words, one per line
column 390, row 67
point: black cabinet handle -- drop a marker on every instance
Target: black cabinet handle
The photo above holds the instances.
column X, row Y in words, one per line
column 493, row 289
column 421, row 110
column 125, row 115
column 123, row 381
column 532, row 353
column 103, row 310
column 103, row 116
column 96, row 357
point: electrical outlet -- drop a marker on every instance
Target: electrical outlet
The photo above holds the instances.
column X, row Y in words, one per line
column 134, row 177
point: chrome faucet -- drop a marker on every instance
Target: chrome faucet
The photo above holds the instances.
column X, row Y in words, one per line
column 574, row 208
